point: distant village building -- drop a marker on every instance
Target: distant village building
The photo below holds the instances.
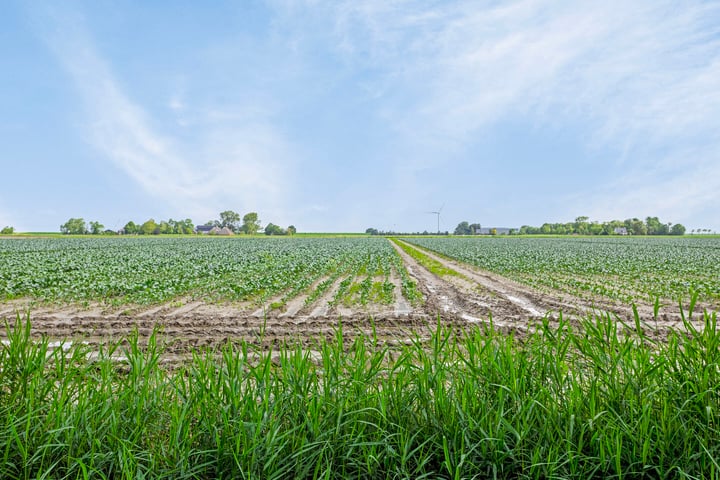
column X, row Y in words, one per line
column 213, row 230
column 494, row 231
column 204, row 229
column 621, row 231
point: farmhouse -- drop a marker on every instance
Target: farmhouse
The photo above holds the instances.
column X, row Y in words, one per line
column 213, row 230
column 203, row 229
column 621, row 231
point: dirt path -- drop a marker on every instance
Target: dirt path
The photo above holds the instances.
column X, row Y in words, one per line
column 460, row 299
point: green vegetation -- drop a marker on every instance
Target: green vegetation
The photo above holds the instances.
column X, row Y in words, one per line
column 149, row 270
column 625, row 269
column 368, row 280
column 465, row 228
column 7, row 231
column 74, row 226
column 560, row 403
column 630, row 226
column 251, row 223
column 228, row 219
column 272, row 229
column 151, row 227
column 432, row 265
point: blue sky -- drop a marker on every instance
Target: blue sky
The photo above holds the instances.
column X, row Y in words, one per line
column 342, row 115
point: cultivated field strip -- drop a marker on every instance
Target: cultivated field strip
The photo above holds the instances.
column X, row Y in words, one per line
column 207, row 292
column 605, row 271
column 137, row 271
column 471, row 294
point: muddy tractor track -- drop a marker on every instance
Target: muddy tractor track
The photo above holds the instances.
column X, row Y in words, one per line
column 477, row 295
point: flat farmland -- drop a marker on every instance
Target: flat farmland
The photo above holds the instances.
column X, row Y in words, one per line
column 608, row 271
column 207, row 291
column 359, row 357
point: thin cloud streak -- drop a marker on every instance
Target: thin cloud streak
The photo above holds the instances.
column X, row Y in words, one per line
column 640, row 78
column 234, row 164
column 410, row 94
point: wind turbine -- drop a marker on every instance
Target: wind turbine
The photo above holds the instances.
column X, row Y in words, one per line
column 438, row 217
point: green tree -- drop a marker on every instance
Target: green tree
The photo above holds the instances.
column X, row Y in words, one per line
column 463, row 228
column 131, row 228
column 7, row 231
column 677, row 229
column 291, row 230
column 272, row 229
column 96, row 228
column 165, row 228
column 74, row 226
column 186, row 227
column 595, row 228
column 231, row 220
column 636, row 226
column 654, row 227
column 581, row 226
column 371, row 231
column 150, row 228
column 251, row 223
column 475, row 228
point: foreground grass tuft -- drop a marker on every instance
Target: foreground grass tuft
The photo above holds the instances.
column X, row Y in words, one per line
column 583, row 402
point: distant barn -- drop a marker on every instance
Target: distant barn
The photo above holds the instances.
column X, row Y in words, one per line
column 204, row 229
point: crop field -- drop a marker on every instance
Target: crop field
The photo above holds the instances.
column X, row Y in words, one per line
column 204, row 291
column 616, row 270
column 359, row 357
column 146, row 271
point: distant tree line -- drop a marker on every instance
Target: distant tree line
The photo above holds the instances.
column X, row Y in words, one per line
column 151, row 227
column 7, row 231
column 631, row 226
column 583, row 226
column 248, row 224
column 78, row 226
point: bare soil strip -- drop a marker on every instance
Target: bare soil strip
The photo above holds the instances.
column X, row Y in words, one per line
column 295, row 305
column 402, row 306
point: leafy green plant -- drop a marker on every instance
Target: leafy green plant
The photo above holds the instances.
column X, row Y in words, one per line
column 592, row 398
column 622, row 269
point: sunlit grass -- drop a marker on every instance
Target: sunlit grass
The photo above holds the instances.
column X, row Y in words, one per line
column 426, row 261
column 592, row 400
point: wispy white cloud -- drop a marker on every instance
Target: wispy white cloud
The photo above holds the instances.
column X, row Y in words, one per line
column 635, row 83
column 638, row 79
column 225, row 162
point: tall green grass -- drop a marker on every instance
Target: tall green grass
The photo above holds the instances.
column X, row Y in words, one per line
column 588, row 401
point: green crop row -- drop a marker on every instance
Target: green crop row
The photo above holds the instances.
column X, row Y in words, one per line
column 623, row 269
column 148, row 270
